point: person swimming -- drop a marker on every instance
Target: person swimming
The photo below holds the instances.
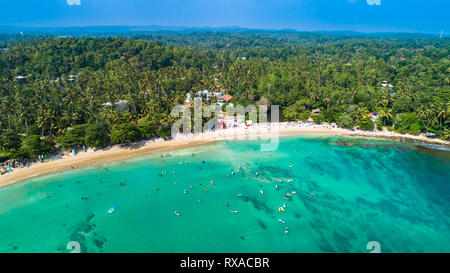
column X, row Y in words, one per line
column 177, row 213
column 234, row 211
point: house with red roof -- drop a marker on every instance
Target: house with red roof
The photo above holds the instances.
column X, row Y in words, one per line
column 225, row 99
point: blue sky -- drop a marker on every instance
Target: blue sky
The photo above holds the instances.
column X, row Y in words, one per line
column 358, row 15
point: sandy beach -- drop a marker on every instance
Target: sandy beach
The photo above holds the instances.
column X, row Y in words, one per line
column 118, row 153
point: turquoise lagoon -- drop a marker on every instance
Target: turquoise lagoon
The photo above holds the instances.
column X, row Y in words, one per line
column 348, row 191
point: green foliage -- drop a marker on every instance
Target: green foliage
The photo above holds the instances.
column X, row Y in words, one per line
column 346, row 121
column 148, row 129
column 33, row 146
column 366, row 124
column 318, row 118
column 408, row 123
column 153, row 72
column 330, row 116
column 379, row 124
column 10, row 141
column 126, row 133
column 415, row 128
column 164, row 131
column 97, row 135
column 74, row 137
column 304, row 116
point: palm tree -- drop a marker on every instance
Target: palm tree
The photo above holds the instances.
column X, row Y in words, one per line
column 385, row 114
column 446, row 134
column 361, row 112
column 442, row 110
column 423, row 114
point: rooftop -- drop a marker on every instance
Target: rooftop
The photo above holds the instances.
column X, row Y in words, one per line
column 227, row 98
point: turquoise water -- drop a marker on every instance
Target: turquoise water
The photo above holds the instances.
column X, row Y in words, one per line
column 347, row 194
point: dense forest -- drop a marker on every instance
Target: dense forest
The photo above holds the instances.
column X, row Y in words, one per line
column 340, row 75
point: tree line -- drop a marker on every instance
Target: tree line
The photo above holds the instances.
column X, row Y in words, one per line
column 341, row 76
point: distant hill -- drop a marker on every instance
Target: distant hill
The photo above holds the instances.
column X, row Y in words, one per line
column 102, row 31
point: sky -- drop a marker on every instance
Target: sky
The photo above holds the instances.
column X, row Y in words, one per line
column 425, row 16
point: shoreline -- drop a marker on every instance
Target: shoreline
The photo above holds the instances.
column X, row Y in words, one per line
column 117, row 153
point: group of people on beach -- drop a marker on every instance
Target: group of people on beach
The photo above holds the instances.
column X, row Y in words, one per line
column 9, row 165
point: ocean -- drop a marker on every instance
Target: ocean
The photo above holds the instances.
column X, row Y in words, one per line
column 334, row 194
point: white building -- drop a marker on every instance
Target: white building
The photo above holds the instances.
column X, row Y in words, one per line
column 386, row 84
column 72, row 78
column 122, row 106
column 204, row 94
column 20, row 78
column 108, row 104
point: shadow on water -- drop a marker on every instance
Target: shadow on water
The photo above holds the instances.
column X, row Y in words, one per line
column 85, row 232
column 366, row 144
column 434, row 150
column 258, row 205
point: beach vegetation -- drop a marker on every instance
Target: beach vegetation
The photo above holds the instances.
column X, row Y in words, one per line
column 10, row 141
column 366, row 124
column 34, row 145
column 74, row 137
column 408, row 123
column 126, row 133
column 136, row 80
column 148, row 128
column 346, row 121
column 97, row 135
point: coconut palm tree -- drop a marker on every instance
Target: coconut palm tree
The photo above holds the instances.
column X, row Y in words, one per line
column 385, row 115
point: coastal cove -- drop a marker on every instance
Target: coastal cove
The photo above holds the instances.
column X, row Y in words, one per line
column 143, row 148
column 337, row 193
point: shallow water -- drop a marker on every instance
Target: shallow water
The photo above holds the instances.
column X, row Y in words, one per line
column 346, row 195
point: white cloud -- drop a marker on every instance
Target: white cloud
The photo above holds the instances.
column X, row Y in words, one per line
column 374, row 2
column 74, row 2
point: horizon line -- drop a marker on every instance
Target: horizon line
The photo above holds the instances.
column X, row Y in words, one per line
column 171, row 28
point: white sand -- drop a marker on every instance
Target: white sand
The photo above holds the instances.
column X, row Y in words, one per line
column 114, row 154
